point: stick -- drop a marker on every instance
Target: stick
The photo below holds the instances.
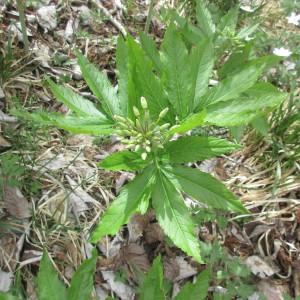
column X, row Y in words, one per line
column 116, row 23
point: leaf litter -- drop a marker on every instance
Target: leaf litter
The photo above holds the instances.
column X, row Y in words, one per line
column 76, row 192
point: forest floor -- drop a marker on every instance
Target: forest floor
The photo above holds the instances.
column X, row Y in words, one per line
column 54, row 193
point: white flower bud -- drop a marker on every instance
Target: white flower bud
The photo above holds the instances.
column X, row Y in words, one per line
column 144, row 156
column 144, row 103
column 163, row 113
column 164, row 126
column 136, row 111
column 148, row 149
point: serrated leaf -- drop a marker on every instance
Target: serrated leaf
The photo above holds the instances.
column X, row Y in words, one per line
column 190, row 122
column 229, row 20
column 247, row 107
column 87, row 125
column 122, row 62
column 235, row 61
column 205, row 188
column 82, row 281
column 197, row 290
column 173, row 216
column 100, row 86
column 128, row 201
column 152, row 286
column 150, row 49
column 145, row 82
column 49, row 286
column 204, row 19
column 177, row 75
column 233, row 86
column 123, row 160
column 195, row 148
column 202, row 63
column 78, row 104
column 246, row 31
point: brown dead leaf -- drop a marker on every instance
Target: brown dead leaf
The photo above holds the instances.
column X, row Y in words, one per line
column 135, row 255
column 271, row 290
column 154, row 233
column 136, row 227
column 15, row 203
column 260, row 267
column 4, row 144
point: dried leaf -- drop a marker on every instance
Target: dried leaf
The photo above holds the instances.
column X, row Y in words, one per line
column 260, row 267
column 122, row 290
column 135, row 255
column 15, row 203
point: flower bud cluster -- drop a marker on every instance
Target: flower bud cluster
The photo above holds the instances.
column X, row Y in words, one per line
column 142, row 135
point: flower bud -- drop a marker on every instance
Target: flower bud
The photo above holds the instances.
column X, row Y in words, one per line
column 144, row 103
column 120, row 119
column 163, row 113
column 148, row 149
column 136, row 111
column 137, row 147
column 144, row 156
column 164, row 126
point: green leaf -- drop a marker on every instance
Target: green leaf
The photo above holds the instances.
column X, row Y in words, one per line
column 82, row 281
column 49, row 286
column 195, row 148
column 152, row 287
column 150, row 48
column 100, row 86
column 121, row 209
column 177, row 75
column 78, row 104
column 87, row 125
column 246, row 31
column 122, row 62
column 173, row 216
column 145, row 82
column 196, row 291
column 190, row 122
column 261, row 125
column 7, row 296
column 204, row 19
column 233, row 86
column 229, row 20
column 247, row 107
column 235, row 61
column 123, row 160
column 205, row 188
column 203, row 62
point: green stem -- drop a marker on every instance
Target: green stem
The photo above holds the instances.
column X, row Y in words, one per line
column 21, row 5
column 149, row 17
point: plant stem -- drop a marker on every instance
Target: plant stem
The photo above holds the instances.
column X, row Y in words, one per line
column 21, row 4
column 149, row 17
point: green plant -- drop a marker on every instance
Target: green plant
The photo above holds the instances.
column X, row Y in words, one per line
column 152, row 286
column 49, row 287
column 174, row 81
column 227, row 272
